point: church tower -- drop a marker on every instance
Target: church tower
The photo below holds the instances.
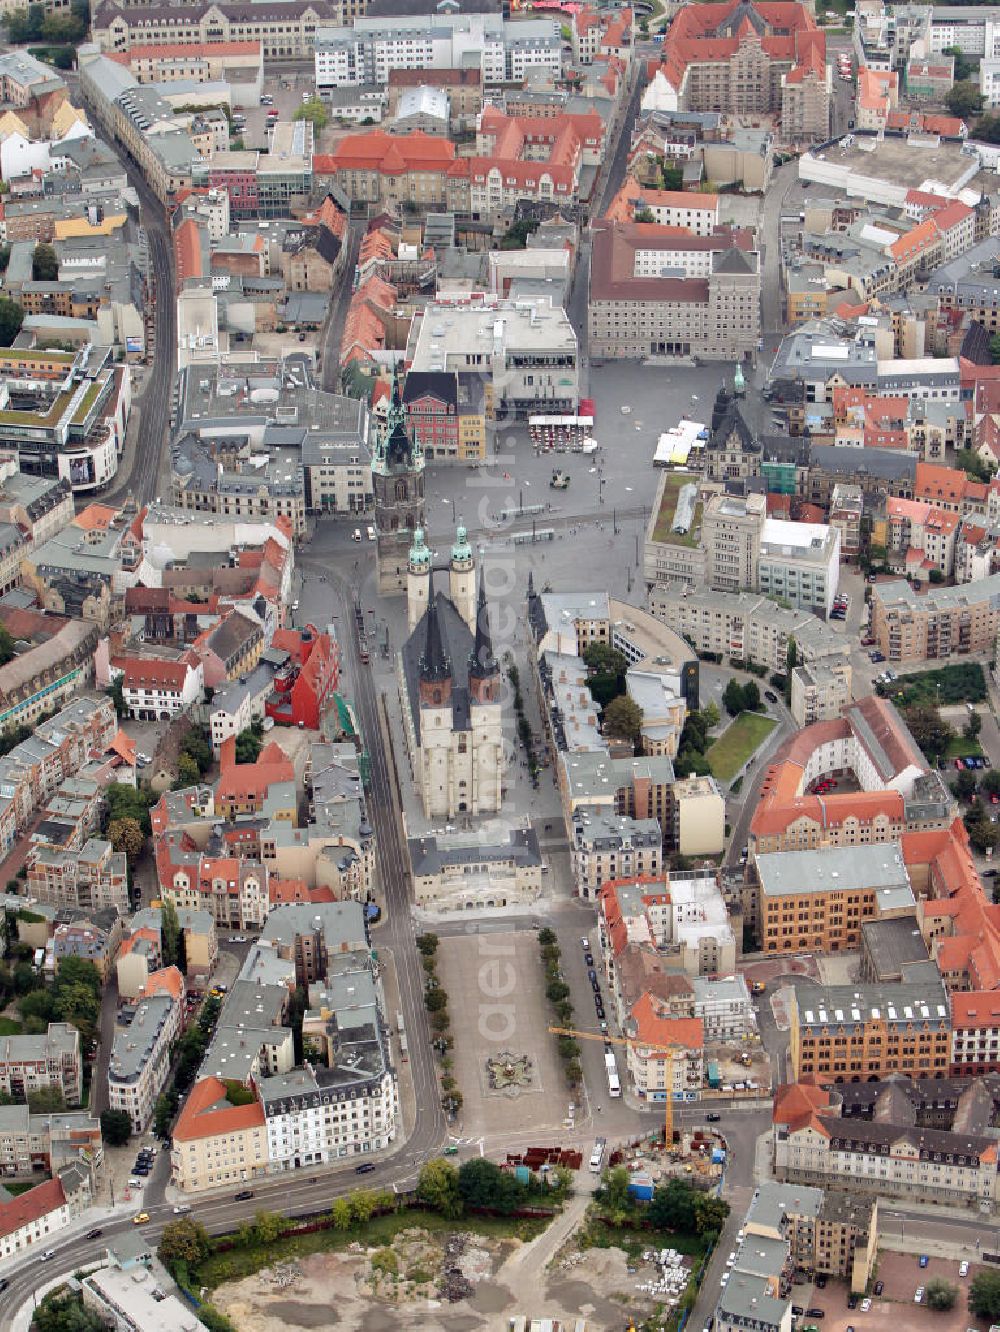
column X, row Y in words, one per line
column 462, row 579
column 398, row 482
column 484, row 673
column 418, row 580
column 435, row 668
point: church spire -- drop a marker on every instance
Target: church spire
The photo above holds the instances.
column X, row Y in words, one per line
column 483, row 669
column 434, row 663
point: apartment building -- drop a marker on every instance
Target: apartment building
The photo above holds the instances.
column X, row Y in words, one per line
column 45, row 1142
column 668, row 1056
column 140, row 1054
column 699, row 816
column 683, row 916
column 32, row 1220
column 799, row 563
column 371, row 50
column 611, row 846
column 941, row 622
column 817, row 901
column 155, row 689
column 638, row 309
column 732, row 531
column 285, row 30
column 839, row 1033
column 37, row 1063
column 446, row 414
column 883, row 1145
column 724, row 1007
column 94, row 877
column 820, row 692
column 215, row 1142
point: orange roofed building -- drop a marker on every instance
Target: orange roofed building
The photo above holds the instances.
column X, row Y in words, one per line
column 744, row 58
column 216, row 1142
column 668, row 1056
column 415, row 170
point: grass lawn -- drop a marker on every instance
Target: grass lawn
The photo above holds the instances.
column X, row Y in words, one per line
column 22, row 1186
column 8, row 1027
column 240, row 1263
column 961, row 682
column 958, row 747
column 739, row 740
column 671, row 489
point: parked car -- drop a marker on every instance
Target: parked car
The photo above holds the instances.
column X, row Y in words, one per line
column 918, row 1295
column 4, row 1283
column 96, row 1233
column 797, row 1310
column 924, row 1260
column 365, row 1168
column 815, row 1313
column 821, row 1281
column 244, row 1195
column 866, row 1304
column 963, row 1268
column 878, row 1287
column 712, row 1117
column 589, row 959
column 770, row 696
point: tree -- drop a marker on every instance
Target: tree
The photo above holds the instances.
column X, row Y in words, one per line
column 547, row 937
column 732, row 698
column 984, row 1295
column 315, row 111
column 163, row 1114
column 940, row 1294
column 973, row 726
column 751, row 697
column 63, row 1310
column 710, row 1214
column 47, row 1101
column 363, row 1204
column 125, row 802
column 268, row 1226
column 170, row 933
column 692, row 764
column 116, row 1127
column 11, row 319
column 249, row 743
column 127, row 835
column 673, row 1207
column 435, row 1000
column 965, row 785
column 340, row 1214
column 482, row 1183
column 437, row 1188
column 964, row 100
column 187, row 772
column 615, row 1194
column 556, row 991
column 623, row 717
column 930, row 731
column 995, row 340
column 644, row 215
column 197, row 744
column 184, row 1241
column 44, row 263
column 710, row 713
column 427, row 944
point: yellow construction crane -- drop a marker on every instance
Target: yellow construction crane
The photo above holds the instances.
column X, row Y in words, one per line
column 668, row 1050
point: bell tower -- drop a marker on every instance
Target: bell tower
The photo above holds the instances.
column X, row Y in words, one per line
column 398, row 483
column 462, row 579
column 418, row 580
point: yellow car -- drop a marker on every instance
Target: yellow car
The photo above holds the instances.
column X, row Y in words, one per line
column 141, row 1219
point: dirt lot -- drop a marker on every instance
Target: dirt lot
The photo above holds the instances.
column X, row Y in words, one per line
column 495, row 981
column 894, row 1310
column 503, row 1277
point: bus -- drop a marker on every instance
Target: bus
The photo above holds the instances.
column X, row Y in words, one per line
column 614, row 1082
column 597, row 1155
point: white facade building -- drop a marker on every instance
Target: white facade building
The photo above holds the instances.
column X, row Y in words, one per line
column 140, row 1058
column 309, row 1123
column 799, row 563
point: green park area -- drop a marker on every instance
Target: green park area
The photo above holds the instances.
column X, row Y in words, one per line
column 739, row 740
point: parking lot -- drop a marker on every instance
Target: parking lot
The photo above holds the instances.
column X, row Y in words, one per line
column 901, row 1275
column 495, row 984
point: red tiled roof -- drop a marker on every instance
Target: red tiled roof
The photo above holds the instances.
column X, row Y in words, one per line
column 142, row 671
column 207, row 1113
column 658, row 1029
column 31, row 1206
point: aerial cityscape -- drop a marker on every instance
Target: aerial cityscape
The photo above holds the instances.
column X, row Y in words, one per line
column 499, row 666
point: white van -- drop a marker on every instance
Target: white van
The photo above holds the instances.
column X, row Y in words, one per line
column 371, row 533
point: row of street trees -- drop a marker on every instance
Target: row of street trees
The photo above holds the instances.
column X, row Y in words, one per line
column 436, row 1003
